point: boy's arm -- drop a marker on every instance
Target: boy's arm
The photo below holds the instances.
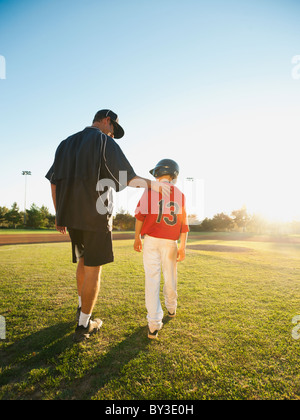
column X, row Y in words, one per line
column 138, row 240
column 182, row 246
column 183, row 235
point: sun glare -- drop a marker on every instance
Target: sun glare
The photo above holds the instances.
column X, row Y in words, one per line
column 276, row 212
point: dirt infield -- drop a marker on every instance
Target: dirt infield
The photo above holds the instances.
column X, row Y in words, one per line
column 219, row 248
column 39, row 238
column 246, row 237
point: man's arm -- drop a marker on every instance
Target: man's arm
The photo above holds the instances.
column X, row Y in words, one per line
column 53, row 193
column 60, row 229
column 139, row 182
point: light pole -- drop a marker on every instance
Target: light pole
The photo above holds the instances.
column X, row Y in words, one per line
column 25, row 173
column 195, row 196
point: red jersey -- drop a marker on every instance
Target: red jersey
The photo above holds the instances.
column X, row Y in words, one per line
column 163, row 217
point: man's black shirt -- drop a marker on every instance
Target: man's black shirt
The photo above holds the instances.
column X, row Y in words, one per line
column 81, row 161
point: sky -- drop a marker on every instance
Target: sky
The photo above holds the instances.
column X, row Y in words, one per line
column 214, row 85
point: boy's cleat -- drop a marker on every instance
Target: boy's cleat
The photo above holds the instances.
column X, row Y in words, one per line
column 172, row 315
column 154, row 334
column 82, row 333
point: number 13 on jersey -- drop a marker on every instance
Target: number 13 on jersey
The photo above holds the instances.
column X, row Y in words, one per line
column 171, row 218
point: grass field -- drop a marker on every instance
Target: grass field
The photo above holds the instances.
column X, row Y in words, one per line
column 232, row 337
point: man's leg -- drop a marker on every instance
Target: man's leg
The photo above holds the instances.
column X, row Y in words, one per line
column 90, row 288
column 88, row 285
column 80, row 278
column 89, row 294
column 84, row 245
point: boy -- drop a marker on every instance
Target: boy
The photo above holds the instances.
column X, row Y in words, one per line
column 162, row 222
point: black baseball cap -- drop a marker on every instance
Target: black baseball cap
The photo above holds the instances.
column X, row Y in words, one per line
column 104, row 113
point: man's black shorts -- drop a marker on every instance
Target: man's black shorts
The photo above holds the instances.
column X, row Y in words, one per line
column 95, row 247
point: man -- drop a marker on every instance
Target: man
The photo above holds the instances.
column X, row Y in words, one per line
column 86, row 166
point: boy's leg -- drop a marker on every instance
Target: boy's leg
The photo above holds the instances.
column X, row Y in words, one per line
column 152, row 264
column 169, row 267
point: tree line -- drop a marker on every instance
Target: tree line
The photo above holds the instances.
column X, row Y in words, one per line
column 41, row 218
column 34, row 218
column 239, row 221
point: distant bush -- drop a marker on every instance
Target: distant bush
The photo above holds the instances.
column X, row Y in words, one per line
column 34, row 218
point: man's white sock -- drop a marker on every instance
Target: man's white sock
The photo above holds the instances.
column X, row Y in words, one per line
column 79, row 301
column 84, row 319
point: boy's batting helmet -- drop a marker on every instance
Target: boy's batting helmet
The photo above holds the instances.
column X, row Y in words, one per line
column 165, row 167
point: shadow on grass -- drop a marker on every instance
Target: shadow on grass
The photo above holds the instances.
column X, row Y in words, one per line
column 33, row 352
column 42, row 349
column 109, row 367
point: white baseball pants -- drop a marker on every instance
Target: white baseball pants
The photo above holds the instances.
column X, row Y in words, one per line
column 159, row 253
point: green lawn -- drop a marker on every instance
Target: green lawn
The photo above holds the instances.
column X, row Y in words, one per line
column 232, row 337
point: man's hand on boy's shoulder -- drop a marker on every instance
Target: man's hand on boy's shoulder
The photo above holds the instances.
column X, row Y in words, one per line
column 161, row 187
